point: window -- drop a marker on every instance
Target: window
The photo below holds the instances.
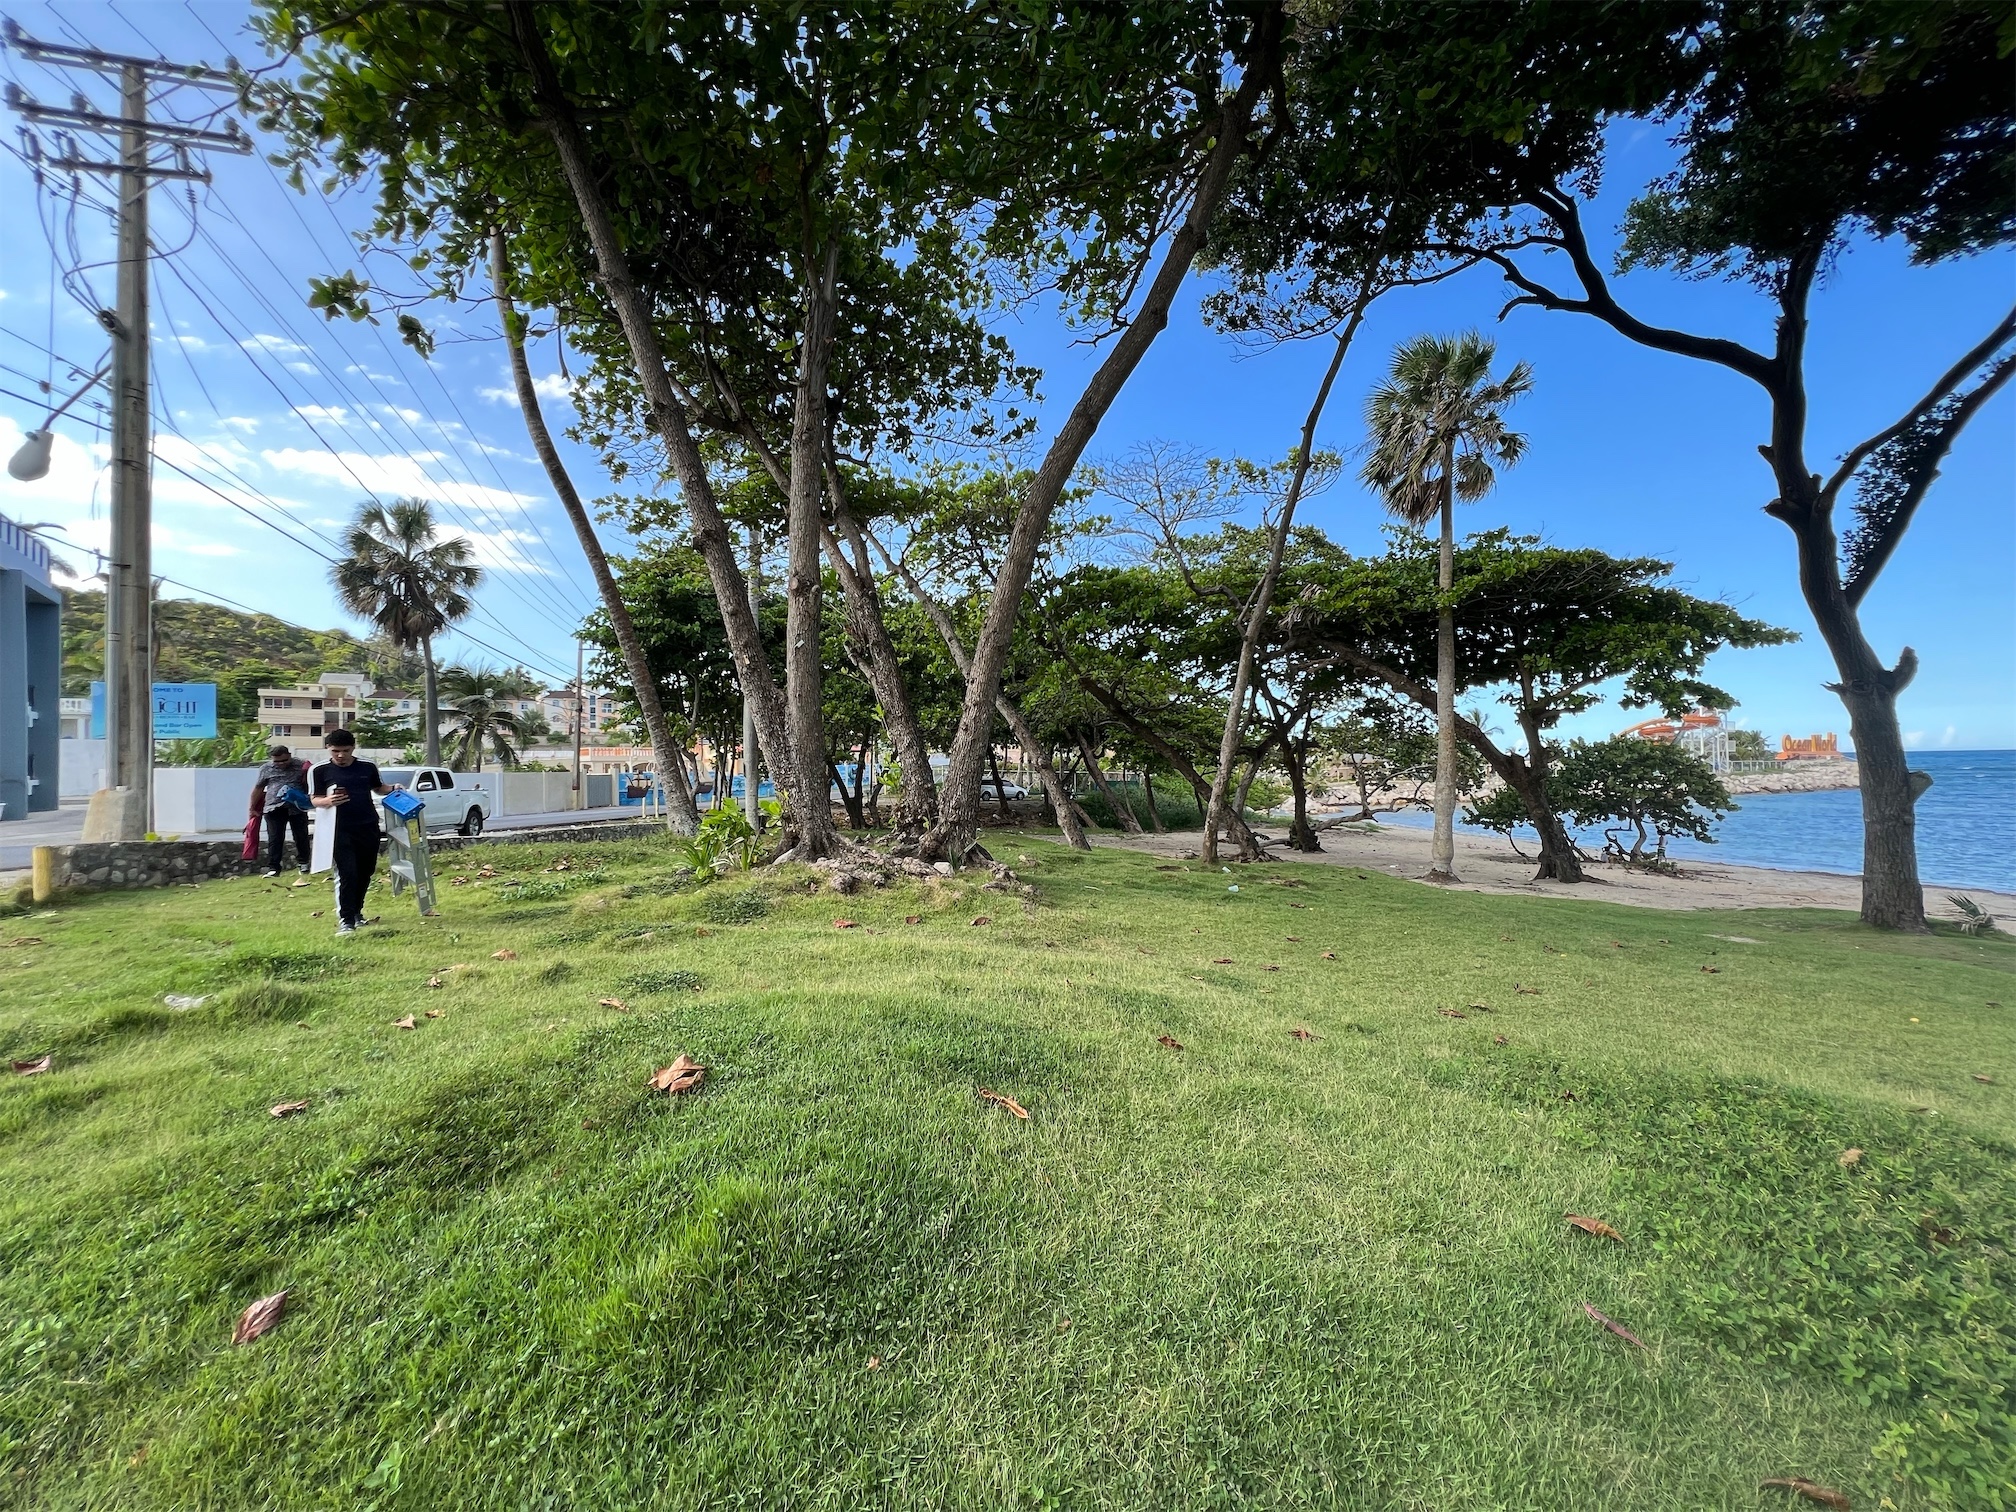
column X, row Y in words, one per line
column 283, row 729
column 270, row 703
column 314, row 703
column 447, row 781
column 424, row 783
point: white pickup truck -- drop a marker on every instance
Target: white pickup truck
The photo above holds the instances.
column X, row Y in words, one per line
column 457, row 801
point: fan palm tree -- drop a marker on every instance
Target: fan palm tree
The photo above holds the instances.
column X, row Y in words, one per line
column 410, row 583
column 1438, row 435
column 480, row 715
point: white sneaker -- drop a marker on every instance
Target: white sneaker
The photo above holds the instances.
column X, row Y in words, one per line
column 346, row 927
column 269, row 874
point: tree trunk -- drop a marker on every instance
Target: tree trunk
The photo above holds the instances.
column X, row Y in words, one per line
column 1301, row 836
column 1560, row 860
column 1069, row 816
column 815, row 838
column 647, row 355
column 1263, row 597
column 955, row 835
column 994, row 770
column 1093, row 770
column 1442, row 855
column 680, row 814
column 1178, row 762
column 430, row 717
column 849, row 801
column 1148, row 792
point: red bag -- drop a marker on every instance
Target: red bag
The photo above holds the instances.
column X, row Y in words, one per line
column 251, row 851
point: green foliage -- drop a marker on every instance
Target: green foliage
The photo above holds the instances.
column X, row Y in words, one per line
column 1640, row 783
column 246, row 748
column 377, row 728
column 1748, row 745
column 197, row 642
column 725, row 840
column 479, row 722
column 664, row 981
column 738, row 906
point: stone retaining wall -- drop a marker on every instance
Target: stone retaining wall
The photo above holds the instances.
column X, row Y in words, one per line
column 124, row 865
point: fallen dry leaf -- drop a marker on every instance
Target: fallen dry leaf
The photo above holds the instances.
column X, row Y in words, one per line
column 1616, row 1328
column 1270, row 968
column 318, row 913
column 1499, row 1039
column 435, row 980
column 33, row 1067
column 1329, row 955
column 503, row 955
column 704, row 933
column 1712, row 970
column 913, row 918
column 1986, row 1081
column 683, row 1075
column 1452, row 1013
column 617, row 1003
column 302, row 883
column 288, row 1110
column 1594, row 1226
column 874, row 1362
column 1221, row 960
column 1529, row 991
column 1294, row 939
column 1850, row 1156
column 1798, row 1485
column 403, row 1023
column 999, row 1100
column 983, row 919
column 845, row 924
column 436, row 1012
column 1482, row 1008
column 26, row 940
column 1173, row 1044
column 259, row 1317
column 1301, row 1034
column 1569, row 1097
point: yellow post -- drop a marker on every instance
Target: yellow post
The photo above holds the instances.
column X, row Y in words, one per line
column 43, row 873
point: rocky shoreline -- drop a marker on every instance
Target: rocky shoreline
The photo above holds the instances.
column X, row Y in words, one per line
column 1796, row 777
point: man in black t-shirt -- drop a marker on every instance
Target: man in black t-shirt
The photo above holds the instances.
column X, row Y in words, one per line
column 345, row 784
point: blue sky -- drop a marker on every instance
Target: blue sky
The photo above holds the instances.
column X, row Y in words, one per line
column 1631, row 450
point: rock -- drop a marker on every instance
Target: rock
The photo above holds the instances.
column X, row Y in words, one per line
column 845, row 882
column 943, row 868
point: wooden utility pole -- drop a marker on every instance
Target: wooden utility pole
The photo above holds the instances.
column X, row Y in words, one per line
column 580, row 714
column 129, row 576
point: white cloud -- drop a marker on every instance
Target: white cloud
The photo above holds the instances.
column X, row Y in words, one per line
column 336, row 414
column 358, row 367
column 1947, row 738
column 278, row 346
column 245, row 423
column 546, row 386
column 190, row 343
column 305, row 369
column 1913, row 739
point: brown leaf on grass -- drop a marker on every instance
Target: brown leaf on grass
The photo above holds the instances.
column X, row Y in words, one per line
column 1986, row 1081
column 874, row 1362
column 436, row 980
column 33, row 1067
column 503, row 955
column 1483, row 1008
column 1505, row 939
column 1298, row 905
column 259, row 1317
column 288, row 1109
column 403, row 1023
column 617, row 1003
column 703, row 933
column 1302, row 1034
column 1848, row 1157
column 302, row 883
column 683, row 1075
column 1000, row 1100
column 26, row 940
column 1528, row 991
column 318, row 913
column 913, row 918
column 1499, row 1039
column 1569, row 1097
column 845, row 924
column 1221, row 960
column 1594, row 1226
column 1329, row 955
column 437, row 1012
column 1798, row 1485
column 1168, row 1041
column 1270, row 968
column 1616, row 1328
column 983, row 919
column 1294, row 939
column 1452, row 1013
column 1712, row 970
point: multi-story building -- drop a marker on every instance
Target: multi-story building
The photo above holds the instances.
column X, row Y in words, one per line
column 311, row 711
column 599, row 709
column 31, row 669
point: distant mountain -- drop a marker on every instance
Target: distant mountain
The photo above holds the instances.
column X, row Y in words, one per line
column 198, row 642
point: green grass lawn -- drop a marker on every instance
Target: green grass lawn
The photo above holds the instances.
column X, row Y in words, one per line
column 1255, row 1271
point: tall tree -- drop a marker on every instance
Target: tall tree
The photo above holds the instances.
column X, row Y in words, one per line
column 410, row 582
column 670, row 759
column 1801, row 129
column 1438, row 434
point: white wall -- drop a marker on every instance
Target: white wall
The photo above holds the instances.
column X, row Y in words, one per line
column 80, row 768
column 192, row 800
column 531, row 792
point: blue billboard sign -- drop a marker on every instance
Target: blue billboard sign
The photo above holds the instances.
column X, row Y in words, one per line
column 185, row 711
column 97, row 711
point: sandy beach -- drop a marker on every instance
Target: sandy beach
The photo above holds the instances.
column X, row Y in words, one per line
column 1487, row 864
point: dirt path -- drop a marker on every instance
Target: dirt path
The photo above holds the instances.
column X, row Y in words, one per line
column 1490, row 865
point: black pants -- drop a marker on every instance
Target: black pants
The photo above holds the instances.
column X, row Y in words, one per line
column 278, row 822
column 356, row 860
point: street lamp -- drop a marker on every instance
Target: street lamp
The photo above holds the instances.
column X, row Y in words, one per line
column 31, row 462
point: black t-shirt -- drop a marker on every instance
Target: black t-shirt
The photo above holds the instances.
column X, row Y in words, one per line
column 360, row 777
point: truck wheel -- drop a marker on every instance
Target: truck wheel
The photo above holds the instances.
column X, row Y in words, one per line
column 472, row 823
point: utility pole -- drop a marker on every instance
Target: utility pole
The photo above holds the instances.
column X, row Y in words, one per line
column 751, row 809
column 580, row 698
column 129, row 576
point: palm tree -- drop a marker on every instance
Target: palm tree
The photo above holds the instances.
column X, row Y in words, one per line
column 480, row 714
column 1437, row 430
column 410, row 583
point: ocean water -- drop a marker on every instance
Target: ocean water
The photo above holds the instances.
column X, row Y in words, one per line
column 1966, row 826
